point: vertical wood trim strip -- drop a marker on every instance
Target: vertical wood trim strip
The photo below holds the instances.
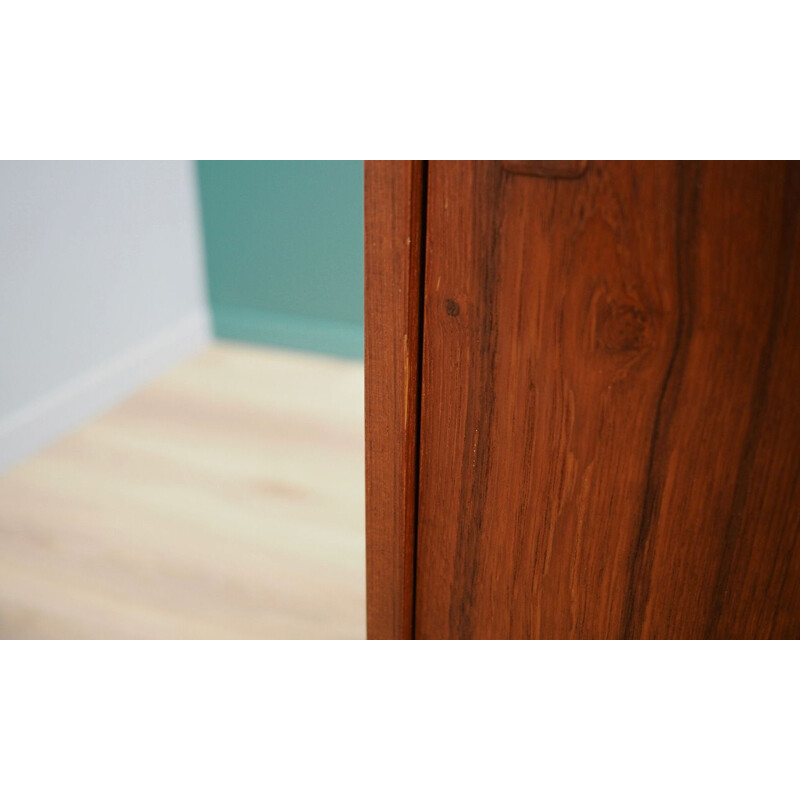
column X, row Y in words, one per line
column 394, row 197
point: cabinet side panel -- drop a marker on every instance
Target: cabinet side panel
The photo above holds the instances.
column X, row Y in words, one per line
column 393, row 222
column 610, row 429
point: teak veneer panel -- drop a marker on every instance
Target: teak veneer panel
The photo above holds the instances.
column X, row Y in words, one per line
column 610, row 424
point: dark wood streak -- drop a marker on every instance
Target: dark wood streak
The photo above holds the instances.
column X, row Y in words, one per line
column 476, row 460
column 736, row 521
column 642, row 555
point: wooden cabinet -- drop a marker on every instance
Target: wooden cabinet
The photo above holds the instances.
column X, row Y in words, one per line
column 583, row 399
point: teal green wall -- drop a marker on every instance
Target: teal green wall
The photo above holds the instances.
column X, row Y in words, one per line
column 284, row 250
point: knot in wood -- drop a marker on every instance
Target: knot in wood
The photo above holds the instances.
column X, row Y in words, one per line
column 621, row 327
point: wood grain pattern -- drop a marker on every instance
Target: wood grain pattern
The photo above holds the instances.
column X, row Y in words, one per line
column 610, row 429
column 393, row 223
column 223, row 500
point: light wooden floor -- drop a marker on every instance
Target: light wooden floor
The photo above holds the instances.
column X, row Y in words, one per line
column 224, row 500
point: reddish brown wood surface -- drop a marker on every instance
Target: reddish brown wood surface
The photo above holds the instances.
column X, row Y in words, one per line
column 393, row 219
column 610, row 431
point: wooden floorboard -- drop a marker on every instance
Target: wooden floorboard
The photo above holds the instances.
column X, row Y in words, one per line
column 224, row 500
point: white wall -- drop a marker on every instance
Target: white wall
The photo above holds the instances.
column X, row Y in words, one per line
column 101, row 287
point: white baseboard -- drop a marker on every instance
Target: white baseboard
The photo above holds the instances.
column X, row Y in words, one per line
column 41, row 422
